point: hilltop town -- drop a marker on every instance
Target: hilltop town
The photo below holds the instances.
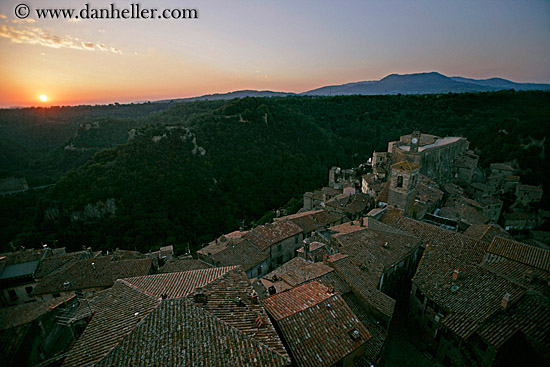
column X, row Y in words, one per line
column 418, row 233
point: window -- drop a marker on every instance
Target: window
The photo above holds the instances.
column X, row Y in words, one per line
column 399, row 181
column 56, row 295
column 279, row 247
column 28, row 289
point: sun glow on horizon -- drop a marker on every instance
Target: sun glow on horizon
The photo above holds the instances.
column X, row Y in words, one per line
column 43, row 98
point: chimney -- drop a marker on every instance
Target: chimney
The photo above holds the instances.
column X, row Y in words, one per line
column 271, row 290
column 456, row 272
column 361, row 222
column 506, row 300
column 93, row 265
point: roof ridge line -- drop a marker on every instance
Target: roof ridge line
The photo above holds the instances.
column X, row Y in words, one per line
column 313, row 305
column 253, row 340
column 142, row 291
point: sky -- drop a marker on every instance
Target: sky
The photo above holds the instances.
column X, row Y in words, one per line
column 279, row 45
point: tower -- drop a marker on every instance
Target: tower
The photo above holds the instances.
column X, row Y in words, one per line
column 415, row 141
column 403, row 182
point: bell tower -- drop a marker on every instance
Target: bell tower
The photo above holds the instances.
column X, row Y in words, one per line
column 403, row 182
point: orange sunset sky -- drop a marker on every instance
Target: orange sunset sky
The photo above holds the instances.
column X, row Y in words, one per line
column 290, row 46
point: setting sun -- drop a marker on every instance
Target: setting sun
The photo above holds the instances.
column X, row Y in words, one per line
column 43, row 98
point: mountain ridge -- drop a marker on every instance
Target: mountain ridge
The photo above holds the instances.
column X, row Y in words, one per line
column 416, row 83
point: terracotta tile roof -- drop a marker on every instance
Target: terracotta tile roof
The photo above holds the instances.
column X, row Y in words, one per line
column 486, row 232
column 319, row 327
column 263, row 237
column 23, row 256
column 468, row 249
column 285, row 304
column 520, row 252
column 457, row 201
column 315, row 219
column 56, row 264
column 23, row 314
column 176, row 285
column 228, row 328
column 92, row 273
column 312, row 247
column 346, row 227
column 318, row 195
column 391, row 215
column 374, row 345
column 349, row 204
column 186, row 335
column 469, row 300
column 501, row 166
column 119, row 254
column 466, row 214
column 384, row 247
column 118, row 310
column 294, row 272
column 531, row 316
column 363, row 286
column 222, row 242
column 528, row 276
column 334, row 282
column 242, row 252
column 183, row 265
column 428, row 193
column 529, row 188
column 222, row 295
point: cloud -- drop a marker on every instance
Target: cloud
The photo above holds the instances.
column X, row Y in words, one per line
column 74, row 20
column 2, row 16
column 38, row 36
column 21, row 21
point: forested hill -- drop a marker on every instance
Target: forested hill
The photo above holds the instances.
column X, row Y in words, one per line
column 196, row 170
column 32, row 140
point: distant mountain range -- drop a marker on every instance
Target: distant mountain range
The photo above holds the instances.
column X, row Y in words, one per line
column 420, row 83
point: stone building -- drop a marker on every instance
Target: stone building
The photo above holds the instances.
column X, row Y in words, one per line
column 479, row 303
column 403, row 183
column 89, row 276
column 435, row 155
column 316, row 200
column 314, row 220
column 20, row 271
column 318, row 326
column 527, row 194
column 279, row 240
column 35, row 333
column 227, row 251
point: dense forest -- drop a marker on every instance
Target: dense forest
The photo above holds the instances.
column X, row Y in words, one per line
column 144, row 176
